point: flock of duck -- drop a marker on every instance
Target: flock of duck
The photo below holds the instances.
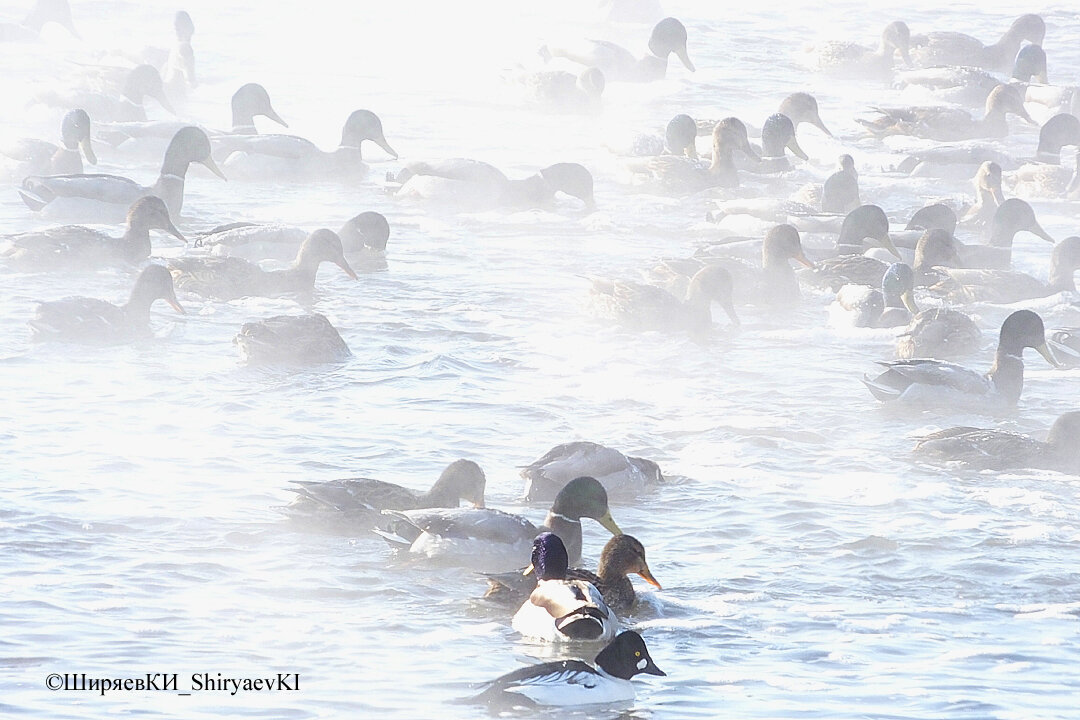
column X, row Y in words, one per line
column 877, row 274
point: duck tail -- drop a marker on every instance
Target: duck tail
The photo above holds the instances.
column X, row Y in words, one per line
column 584, row 623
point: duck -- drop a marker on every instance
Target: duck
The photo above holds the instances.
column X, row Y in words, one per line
column 840, row 193
column 273, row 156
column 96, row 322
column 953, row 48
column 969, row 86
column 621, row 556
column 802, row 107
column 1065, row 342
column 778, row 135
column 680, row 174
column 934, row 382
column 493, row 541
column 939, row 332
column 103, row 192
column 357, row 503
column 44, row 11
column 560, row 609
column 79, row 247
column 562, row 91
column 291, row 339
column 179, row 75
column 1045, row 177
column 622, row 476
column 1007, row 286
column 988, row 194
column 1011, row 216
column 951, row 124
column 638, row 306
column 462, row 181
column 141, row 82
column 866, row 222
column 891, row 305
column 249, row 101
column 575, row 682
column 680, row 136
column 363, row 236
column 41, row 157
column 848, row 59
column 989, row 449
column 620, row 65
column 229, row 278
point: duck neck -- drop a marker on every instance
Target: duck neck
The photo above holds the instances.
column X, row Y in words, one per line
column 170, row 188
column 569, row 531
column 1007, row 373
column 135, row 242
column 723, row 165
column 1061, row 274
column 994, row 123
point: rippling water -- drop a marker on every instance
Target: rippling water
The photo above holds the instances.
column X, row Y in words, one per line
column 810, row 567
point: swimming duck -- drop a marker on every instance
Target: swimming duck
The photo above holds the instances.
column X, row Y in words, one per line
column 40, row 157
column 562, row 91
column 247, row 102
column 840, row 193
column 561, row 609
column 970, row 86
column 1008, row 286
column 934, row 382
column 1000, row 450
column 273, row 156
column 866, row 222
column 228, row 278
column 890, row 305
column 935, row 216
column 1045, row 177
column 141, row 82
column 941, row 333
column 647, row 307
column 680, row 136
column 778, row 135
column 988, row 195
column 952, row 48
column 849, row 59
column 496, row 541
column 291, row 339
column 189, row 145
column 358, row 502
column 44, row 11
column 951, row 124
column 97, row 322
column 622, row 476
column 619, row 65
column 802, row 107
column 179, row 73
column 575, row 682
column 676, row 173
column 1012, row 216
column 79, row 247
column 471, row 182
column 363, row 236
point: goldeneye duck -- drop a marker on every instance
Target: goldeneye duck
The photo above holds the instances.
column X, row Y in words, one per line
column 576, row 682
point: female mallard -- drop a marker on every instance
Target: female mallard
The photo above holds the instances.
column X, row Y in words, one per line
column 967, row 285
column 1000, row 450
column 840, row 193
column 574, row 682
column 141, row 82
column 951, row 124
column 44, row 11
column 939, row 333
column 291, row 339
column 622, row 476
column 226, row 278
column 357, row 503
column 647, row 307
column 96, row 322
column 105, row 192
column 933, row 382
column 494, row 541
column 849, row 59
column 953, row 48
column 620, row 65
column 988, row 195
column 689, row 174
column 560, row 609
column 477, row 184
column 79, row 247
column 366, row 233
column 41, row 157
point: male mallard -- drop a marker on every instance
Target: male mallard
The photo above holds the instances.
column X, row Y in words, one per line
column 40, row 157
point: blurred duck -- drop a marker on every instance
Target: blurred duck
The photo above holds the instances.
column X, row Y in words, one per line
column 179, row 75
column 475, row 183
column 78, row 247
column 562, row 609
column 102, row 193
column 290, row 339
column 357, row 503
column 1046, row 177
column 363, row 236
column 44, row 11
column 951, row 124
column 939, row 333
column 227, row 278
column 778, row 135
column 622, row 476
column 988, row 195
column 272, row 156
column 933, row 382
column 247, row 102
column 494, row 541
column 41, row 157
column 646, row 307
column 620, row 65
column 687, row 174
column 999, row 450
column 97, row 322
column 773, row 284
column 840, row 193
column 561, row 91
column 866, row 222
column 952, row 48
column 802, row 107
column 970, row 86
column 848, row 59
column 966, row 285
column 575, row 682
column 890, row 306
column 141, row 82
column 1012, row 216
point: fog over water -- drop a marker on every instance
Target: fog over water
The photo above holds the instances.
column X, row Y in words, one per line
column 811, row 565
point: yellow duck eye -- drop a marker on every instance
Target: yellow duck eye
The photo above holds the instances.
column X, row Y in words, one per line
column 637, row 653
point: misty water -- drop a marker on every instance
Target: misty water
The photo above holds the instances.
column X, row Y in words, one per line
column 811, row 567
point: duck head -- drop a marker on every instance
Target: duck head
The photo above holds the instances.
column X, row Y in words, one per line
column 730, row 134
column 1030, row 64
column 364, row 125
column 778, row 133
column 1011, row 217
column 573, row 179
column 366, row 230
column 713, row 283
column 936, row 248
column 143, row 81
column 782, row 243
column 988, row 181
column 75, row 132
column 549, row 558
column 1024, row 329
column 1006, row 100
column 585, row 497
column 866, row 221
column 627, row 656
column 933, row 217
column 896, row 38
column 623, row 555
column 151, row 213
column 462, row 479
column 1061, row 130
column 898, row 287
column 154, row 283
column 680, row 136
column 189, row 145
column 802, row 108
column 669, row 36
column 184, row 26
column 251, row 100
column 1028, row 27
column 323, row 245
